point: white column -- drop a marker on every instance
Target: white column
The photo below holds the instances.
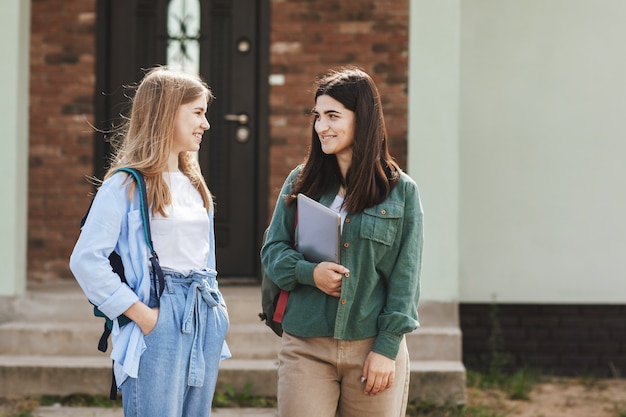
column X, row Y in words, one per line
column 14, row 77
column 433, row 145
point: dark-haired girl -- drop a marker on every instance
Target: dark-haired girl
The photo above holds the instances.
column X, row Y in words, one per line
column 343, row 348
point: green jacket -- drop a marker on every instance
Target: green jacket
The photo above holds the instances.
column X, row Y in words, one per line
column 382, row 248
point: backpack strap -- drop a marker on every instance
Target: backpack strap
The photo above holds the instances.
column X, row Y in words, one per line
column 157, row 272
column 158, row 278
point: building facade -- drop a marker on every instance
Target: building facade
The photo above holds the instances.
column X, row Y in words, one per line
column 507, row 114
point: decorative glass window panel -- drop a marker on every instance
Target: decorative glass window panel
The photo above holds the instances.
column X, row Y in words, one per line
column 183, row 30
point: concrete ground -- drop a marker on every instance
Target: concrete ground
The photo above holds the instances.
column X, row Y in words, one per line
column 57, row 411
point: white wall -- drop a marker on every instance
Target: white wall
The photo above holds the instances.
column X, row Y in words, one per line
column 543, row 151
column 433, row 145
column 14, row 72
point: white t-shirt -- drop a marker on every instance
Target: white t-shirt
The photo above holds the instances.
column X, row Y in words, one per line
column 182, row 238
column 337, row 206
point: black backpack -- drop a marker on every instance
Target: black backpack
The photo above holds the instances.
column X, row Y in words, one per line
column 273, row 299
column 116, row 264
column 273, row 303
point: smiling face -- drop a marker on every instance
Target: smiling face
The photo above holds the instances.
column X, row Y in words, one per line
column 334, row 125
column 189, row 125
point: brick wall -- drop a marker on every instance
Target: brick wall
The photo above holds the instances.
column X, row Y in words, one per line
column 307, row 39
column 566, row 340
column 61, row 140
column 310, row 37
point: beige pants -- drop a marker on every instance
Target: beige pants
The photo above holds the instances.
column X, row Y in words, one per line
column 321, row 377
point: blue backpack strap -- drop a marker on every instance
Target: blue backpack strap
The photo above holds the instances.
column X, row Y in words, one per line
column 145, row 215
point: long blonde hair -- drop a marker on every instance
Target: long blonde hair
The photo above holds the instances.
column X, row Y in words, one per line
column 146, row 136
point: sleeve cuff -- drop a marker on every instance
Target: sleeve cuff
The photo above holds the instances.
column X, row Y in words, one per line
column 387, row 344
column 304, row 272
column 118, row 302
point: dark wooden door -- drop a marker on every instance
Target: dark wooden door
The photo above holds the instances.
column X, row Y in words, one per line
column 233, row 41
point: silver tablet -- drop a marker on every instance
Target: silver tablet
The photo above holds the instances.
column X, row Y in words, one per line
column 319, row 231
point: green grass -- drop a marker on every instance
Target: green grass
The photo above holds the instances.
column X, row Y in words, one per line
column 26, row 406
column 422, row 409
column 493, row 387
column 619, row 410
column 231, row 398
column 18, row 407
column 516, row 386
column 81, row 400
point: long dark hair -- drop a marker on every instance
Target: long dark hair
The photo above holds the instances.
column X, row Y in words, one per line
column 373, row 172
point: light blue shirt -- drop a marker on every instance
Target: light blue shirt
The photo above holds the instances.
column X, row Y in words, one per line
column 115, row 223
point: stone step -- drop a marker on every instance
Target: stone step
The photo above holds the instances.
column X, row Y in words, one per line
column 24, row 375
column 249, row 341
column 257, row 341
column 48, row 340
column 244, row 304
column 65, row 301
column 75, row 331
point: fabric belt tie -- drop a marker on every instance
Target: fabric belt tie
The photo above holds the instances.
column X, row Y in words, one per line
column 199, row 291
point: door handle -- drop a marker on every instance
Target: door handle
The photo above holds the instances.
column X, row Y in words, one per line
column 242, row 132
column 240, row 118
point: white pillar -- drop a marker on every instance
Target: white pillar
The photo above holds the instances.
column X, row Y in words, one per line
column 433, row 144
column 14, row 77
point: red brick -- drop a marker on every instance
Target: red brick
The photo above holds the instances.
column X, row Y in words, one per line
column 370, row 34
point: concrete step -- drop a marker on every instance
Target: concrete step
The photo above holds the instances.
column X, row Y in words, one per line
column 54, row 338
column 244, row 305
column 62, row 411
column 257, row 341
column 27, row 375
column 48, row 340
column 246, row 340
column 75, row 331
column 24, row 375
column 64, row 301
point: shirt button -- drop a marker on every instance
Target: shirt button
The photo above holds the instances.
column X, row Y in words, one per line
column 347, row 275
column 345, row 245
column 347, row 220
column 343, row 301
column 383, row 212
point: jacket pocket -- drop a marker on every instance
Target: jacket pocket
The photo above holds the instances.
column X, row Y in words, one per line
column 380, row 223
